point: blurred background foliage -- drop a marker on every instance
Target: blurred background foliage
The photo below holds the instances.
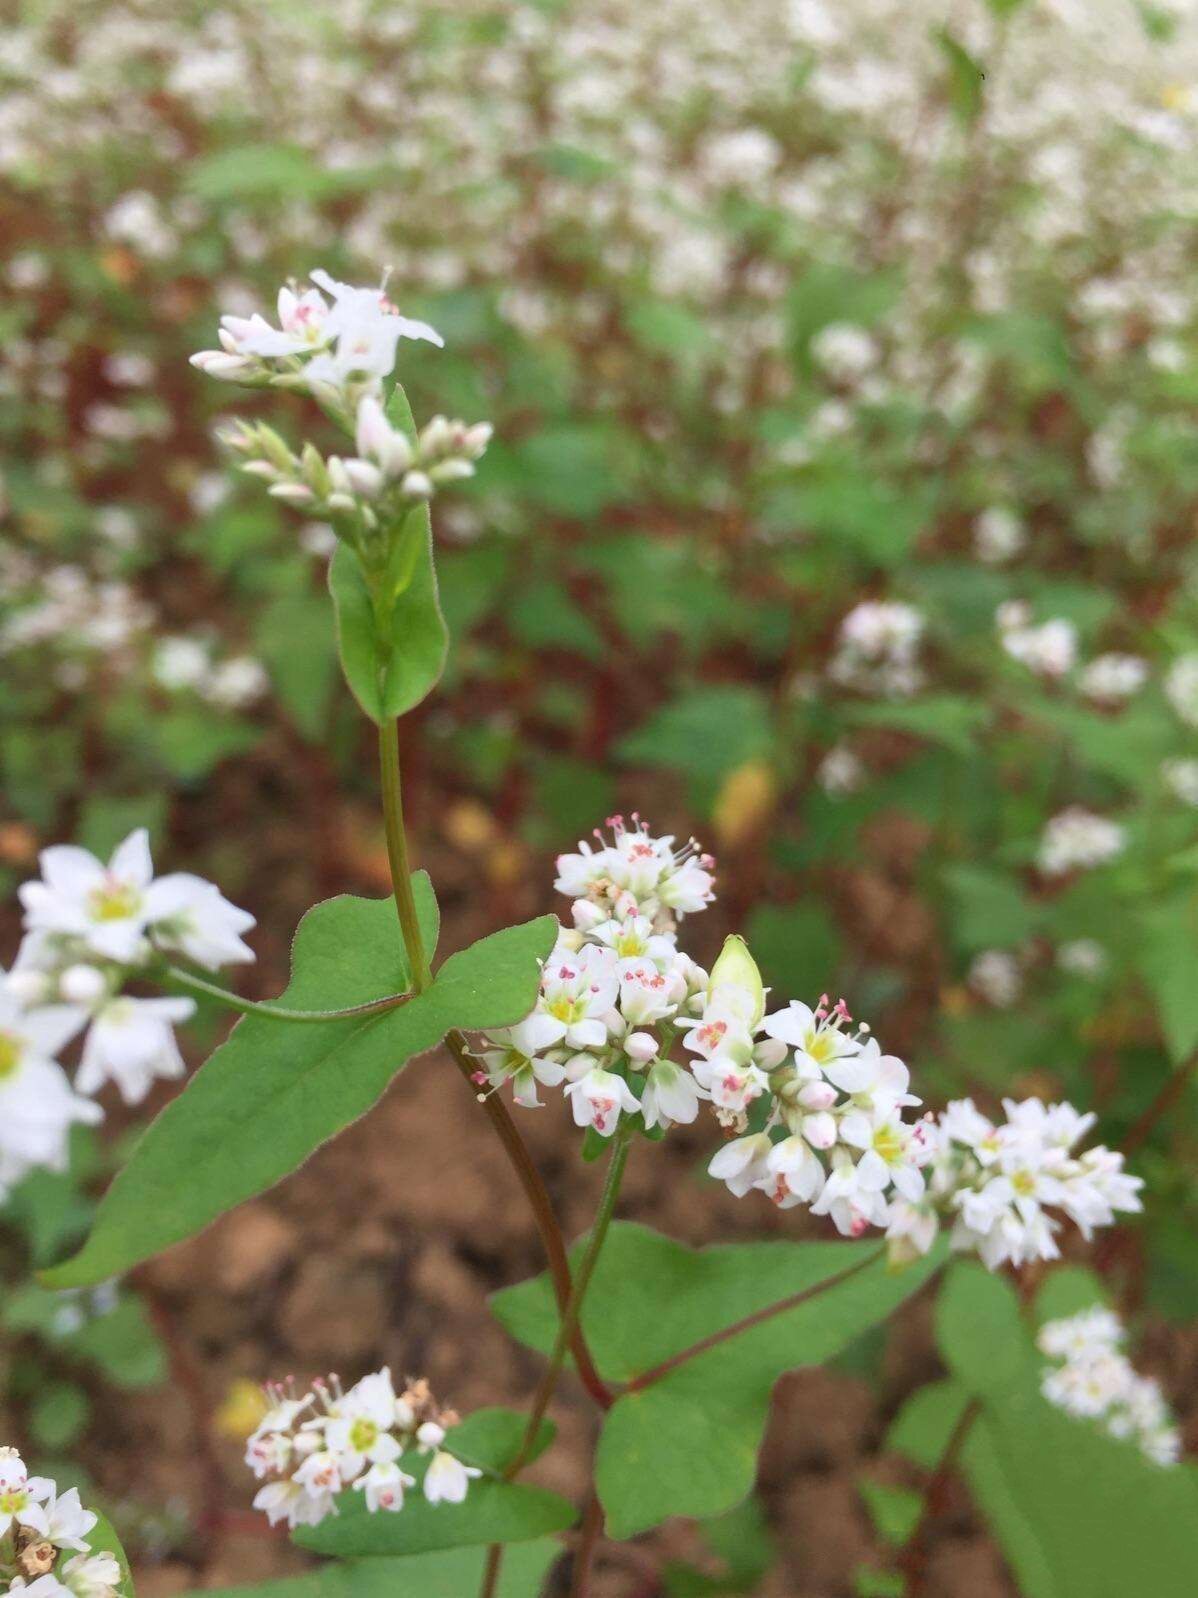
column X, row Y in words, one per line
column 779, row 310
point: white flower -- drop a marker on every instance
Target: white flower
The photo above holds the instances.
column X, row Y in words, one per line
column 579, row 991
column 743, row 1163
column 447, row 1479
column 996, row 975
column 845, row 351
column 192, row 916
column 108, row 907
column 358, row 1432
column 92, row 1575
column 21, row 1495
column 795, row 1175
column 67, row 1522
column 384, row 1485
column 291, row 1501
column 37, row 1104
column 998, row 534
column 303, row 327
column 1181, row 688
column 853, row 1195
column 235, row 683
column 1049, row 649
column 877, row 647
column 320, row 1474
column 1076, row 839
column 598, row 1099
column 1095, row 1381
column 47, row 1586
column 816, row 1036
column 111, row 909
column 1110, row 679
column 1181, row 778
column 671, row 1095
column 519, row 1057
column 180, row 663
column 130, row 1042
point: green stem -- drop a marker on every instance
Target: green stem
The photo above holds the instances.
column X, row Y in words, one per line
column 278, row 1012
column 397, row 854
column 582, row 1280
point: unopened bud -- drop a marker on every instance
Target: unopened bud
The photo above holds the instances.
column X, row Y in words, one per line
column 82, row 984
column 640, row 1047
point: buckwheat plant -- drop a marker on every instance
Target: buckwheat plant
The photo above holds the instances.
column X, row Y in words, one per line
column 605, row 1012
column 50, row 1546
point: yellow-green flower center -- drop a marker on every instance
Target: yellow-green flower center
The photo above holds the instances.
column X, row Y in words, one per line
column 820, row 1045
column 363, row 1435
column 14, row 1501
column 11, row 1049
column 113, row 901
column 889, row 1144
column 567, row 1010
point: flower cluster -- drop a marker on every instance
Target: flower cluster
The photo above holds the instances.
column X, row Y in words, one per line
column 89, row 929
column 877, row 649
column 44, row 1548
column 1094, row 1380
column 1049, row 649
column 347, row 342
column 1078, row 840
column 835, row 1101
column 340, row 350
column 309, row 1447
column 997, row 1186
column 617, row 988
column 815, row 1112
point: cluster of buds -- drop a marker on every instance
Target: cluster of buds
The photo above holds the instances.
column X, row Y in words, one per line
column 91, row 928
column 1093, row 1379
column 44, row 1551
column 309, row 1447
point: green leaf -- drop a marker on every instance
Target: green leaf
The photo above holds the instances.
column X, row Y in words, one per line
column 704, row 733
column 491, row 1438
column 390, row 631
column 58, row 1415
column 389, row 680
column 946, row 719
column 922, row 1428
column 1079, row 1514
column 452, row 1574
column 275, row 1091
column 295, row 640
column 895, row 1511
column 1168, row 953
column 965, row 76
column 102, row 1539
column 493, row 1512
column 687, row 1444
